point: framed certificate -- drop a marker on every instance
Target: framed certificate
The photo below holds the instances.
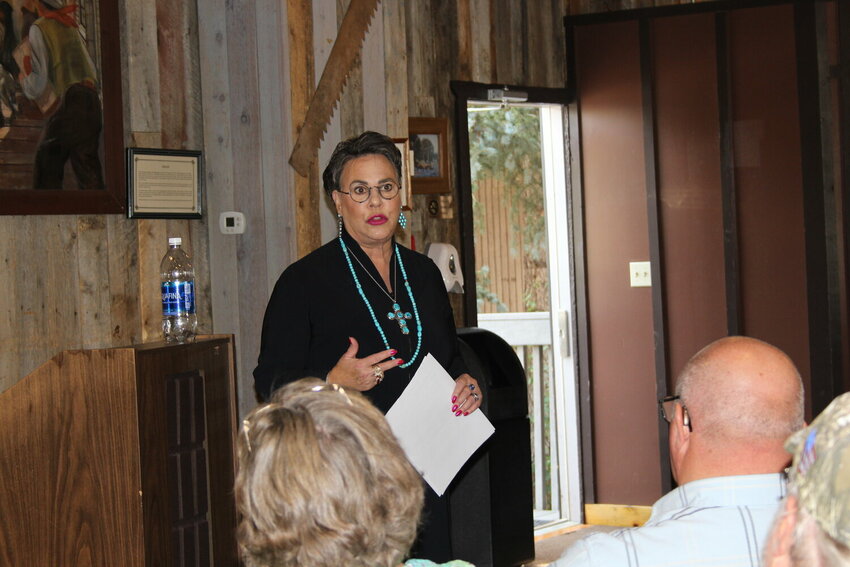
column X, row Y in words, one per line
column 164, row 184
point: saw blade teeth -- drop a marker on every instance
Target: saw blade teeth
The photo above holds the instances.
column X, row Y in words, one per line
column 351, row 37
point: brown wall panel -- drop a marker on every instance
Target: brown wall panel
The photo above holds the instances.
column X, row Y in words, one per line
column 621, row 331
column 687, row 141
column 768, row 178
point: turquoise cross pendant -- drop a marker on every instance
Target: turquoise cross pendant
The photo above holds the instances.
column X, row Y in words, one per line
column 400, row 318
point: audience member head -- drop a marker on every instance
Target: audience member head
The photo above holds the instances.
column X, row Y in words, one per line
column 739, row 399
column 322, row 481
column 813, row 527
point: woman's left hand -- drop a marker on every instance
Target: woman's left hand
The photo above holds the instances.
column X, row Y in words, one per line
column 466, row 397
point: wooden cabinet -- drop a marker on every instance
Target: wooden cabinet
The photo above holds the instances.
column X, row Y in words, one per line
column 121, row 456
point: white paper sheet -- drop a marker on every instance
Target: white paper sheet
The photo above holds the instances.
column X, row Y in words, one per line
column 437, row 442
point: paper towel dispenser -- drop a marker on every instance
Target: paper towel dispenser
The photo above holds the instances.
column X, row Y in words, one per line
column 448, row 261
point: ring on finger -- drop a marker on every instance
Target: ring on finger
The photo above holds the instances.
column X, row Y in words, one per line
column 476, row 396
column 378, row 372
column 471, row 387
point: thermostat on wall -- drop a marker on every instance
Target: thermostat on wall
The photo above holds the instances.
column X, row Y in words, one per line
column 231, row 222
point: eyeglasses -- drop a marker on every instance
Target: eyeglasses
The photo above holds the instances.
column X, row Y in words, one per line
column 362, row 193
column 666, row 404
column 271, row 406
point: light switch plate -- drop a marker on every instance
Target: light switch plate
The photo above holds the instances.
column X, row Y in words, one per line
column 231, row 222
column 640, row 274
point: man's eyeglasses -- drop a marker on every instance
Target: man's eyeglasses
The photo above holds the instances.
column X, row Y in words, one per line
column 666, row 405
column 362, row 193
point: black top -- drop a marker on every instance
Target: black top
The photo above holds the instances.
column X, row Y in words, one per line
column 315, row 307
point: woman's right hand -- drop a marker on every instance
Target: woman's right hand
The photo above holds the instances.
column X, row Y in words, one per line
column 361, row 373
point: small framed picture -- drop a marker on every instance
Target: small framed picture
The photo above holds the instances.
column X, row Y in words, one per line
column 404, row 147
column 428, row 144
column 164, row 184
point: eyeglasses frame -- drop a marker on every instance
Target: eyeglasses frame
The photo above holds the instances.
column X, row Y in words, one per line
column 369, row 194
column 686, row 418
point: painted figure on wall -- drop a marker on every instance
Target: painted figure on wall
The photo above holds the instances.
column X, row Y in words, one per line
column 59, row 75
column 8, row 68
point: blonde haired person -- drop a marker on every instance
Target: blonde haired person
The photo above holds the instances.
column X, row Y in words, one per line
column 322, row 481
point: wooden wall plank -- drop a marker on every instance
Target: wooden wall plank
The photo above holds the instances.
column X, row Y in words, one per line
column 373, row 88
column 246, row 126
column 421, row 58
column 325, row 26
column 141, row 63
column 480, row 36
column 123, row 252
column 556, row 72
column 299, row 16
column 394, row 57
column 152, row 242
column 464, row 41
column 350, row 106
column 395, row 65
column 194, row 119
column 95, row 315
column 11, row 311
column 277, row 139
column 219, row 154
column 172, row 77
column 507, row 30
column 60, row 304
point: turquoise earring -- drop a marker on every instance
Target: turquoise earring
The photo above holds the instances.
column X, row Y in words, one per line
column 339, row 224
column 402, row 220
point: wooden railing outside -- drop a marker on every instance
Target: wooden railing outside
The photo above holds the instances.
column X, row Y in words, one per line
column 530, row 336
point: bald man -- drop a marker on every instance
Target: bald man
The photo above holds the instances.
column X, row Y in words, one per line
column 736, row 402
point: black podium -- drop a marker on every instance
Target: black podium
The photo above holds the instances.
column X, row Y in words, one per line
column 491, row 499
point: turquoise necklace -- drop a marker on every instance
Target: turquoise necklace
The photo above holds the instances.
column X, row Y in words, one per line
column 396, row 314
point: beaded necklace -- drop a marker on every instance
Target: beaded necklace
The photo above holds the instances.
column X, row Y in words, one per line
column 396, row 314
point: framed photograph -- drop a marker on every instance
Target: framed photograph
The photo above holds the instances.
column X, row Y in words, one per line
column 404, row 147
column 61, row 142
column 428, row 143
column 164, row 184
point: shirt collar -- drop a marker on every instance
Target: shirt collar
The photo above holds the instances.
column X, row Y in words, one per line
column 751, row 489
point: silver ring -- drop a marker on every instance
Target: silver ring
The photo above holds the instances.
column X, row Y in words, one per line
column 378, row 372
column 471, row 387
column 476, row 396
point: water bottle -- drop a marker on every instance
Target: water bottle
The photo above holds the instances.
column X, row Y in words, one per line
column 179, row 321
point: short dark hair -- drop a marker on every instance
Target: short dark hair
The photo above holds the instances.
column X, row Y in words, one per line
column 367, row 143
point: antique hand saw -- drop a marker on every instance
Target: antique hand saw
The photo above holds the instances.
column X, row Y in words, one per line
column 346, row 49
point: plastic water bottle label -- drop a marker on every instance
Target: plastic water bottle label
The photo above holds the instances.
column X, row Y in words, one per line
column 188, row 295
column 178, row 298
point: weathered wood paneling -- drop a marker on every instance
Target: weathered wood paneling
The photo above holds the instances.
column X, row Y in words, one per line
column 87, row 281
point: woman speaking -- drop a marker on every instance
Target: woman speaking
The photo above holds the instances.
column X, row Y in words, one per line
column 363, row 311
